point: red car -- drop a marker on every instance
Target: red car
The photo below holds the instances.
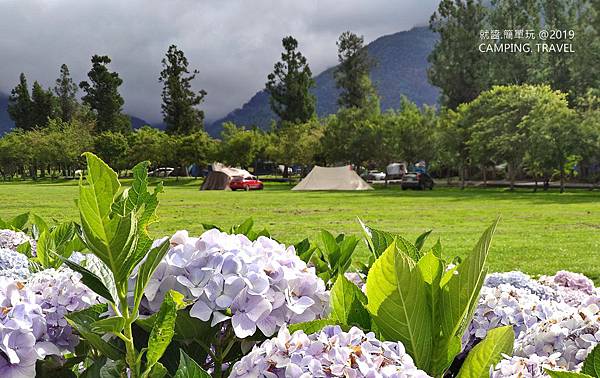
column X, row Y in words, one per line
column 245, row 183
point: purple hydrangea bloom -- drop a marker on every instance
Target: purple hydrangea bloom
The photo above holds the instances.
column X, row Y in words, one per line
column 328, row 353
column 264, row 284
column 13, row 264
column 524, row 367
column 521, row 280
column 10, row 239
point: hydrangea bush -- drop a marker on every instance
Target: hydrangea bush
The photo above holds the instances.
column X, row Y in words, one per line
column 330, row 352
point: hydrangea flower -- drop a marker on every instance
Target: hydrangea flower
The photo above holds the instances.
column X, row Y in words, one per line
column 13, row 264
column 508, row 305
column 328, row 353
column 521, row 367
column 10, row 239
column 60, row 292
column 568, row 335
column 263, row 283
column 573, row 288
column 520, row 280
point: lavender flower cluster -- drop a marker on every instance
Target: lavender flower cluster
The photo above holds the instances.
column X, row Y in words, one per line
column 328, row 353
column 556, row 321
column 264, row 284
column 10, row 239
column 13, row 264
column 32, row 309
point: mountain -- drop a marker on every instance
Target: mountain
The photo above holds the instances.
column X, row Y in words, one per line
column 401, row 69
column 5, row 122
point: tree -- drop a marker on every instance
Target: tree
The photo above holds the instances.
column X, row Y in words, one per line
column 296, row 144
column 505, row 121
column 179, row 100
column 197, row 148
column 457, row 67
column 240, row 147
column 112, row 147
column 102, row 95
column 352, row 74
column 65, row 91
column 20, row 105
column 289, row 86
column 148, row 143
column 43, row 105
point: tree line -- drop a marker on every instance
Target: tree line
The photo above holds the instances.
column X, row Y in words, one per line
column 510, row 116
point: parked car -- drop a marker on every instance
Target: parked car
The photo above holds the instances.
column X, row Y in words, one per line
column 161, row 172
column 395, row 171
column 373, row 175
column 417, row 180
column 245, row 183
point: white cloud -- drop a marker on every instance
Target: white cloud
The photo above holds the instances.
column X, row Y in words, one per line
column 233, row 43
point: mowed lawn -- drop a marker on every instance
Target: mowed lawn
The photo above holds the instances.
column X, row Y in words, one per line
column 539, row 232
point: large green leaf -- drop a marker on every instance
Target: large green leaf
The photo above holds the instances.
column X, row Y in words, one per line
column 56, row 243
column 163, row 329
column 92, row 281
column 591, row 365
column 421, row 239
column 458, row 298
column 397, row 301
column 113, row 324
column 431, row 268
column 19, row 221
column 348, row 304
column 488, row 353
column 82, row 322
column 188, row 368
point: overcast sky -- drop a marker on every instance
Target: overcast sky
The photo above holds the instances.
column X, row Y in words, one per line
column 233, row 43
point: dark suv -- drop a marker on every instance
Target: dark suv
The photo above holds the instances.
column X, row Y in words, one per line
column 417, row 180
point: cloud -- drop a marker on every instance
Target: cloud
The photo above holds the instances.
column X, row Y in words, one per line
column 233, row 43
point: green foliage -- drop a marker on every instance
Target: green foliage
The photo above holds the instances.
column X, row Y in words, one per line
column 244, row 228
column 289, row 86
column 114, row 228
column 56, row 244
column 411, row 299
column 17, row 223
column 348, row 304
column 488, row 353
column 241, row 147
column 591, row 365
column 188, row 368
column 179, row 100
column 20, row 105
column 332, row 256
column 66, row 91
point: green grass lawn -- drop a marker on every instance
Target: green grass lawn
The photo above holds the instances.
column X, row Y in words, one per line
column 539, row 232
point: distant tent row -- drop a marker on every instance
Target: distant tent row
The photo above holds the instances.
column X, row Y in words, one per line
column 319, row 178
column 220, row 177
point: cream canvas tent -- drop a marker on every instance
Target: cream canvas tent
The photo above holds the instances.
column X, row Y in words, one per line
column 332, row 178
column 220, row 177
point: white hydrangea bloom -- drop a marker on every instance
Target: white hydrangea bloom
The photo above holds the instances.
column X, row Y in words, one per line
column 13, row 264
column 328, row 353
column 263, row 283
column 525, row 367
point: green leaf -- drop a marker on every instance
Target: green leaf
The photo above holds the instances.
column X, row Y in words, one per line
column 331, row 249
column 158, row 371
column 422, row 239
column 565, row 374
column 38, row 225
column 113, row 369
column 591, row 365
column 459, row 297
column 347, row 302
column 163, row 329
column 113, row 325
column 311, row 326
column 244, row 228
column 81, row 321
column 91, row 280
column 431, row 268
column 188, row 368
column 488, row 353
column 19, row 222
column 346, row 248
column 397, row 301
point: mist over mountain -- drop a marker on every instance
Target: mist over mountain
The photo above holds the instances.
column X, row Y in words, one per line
column 401, row 69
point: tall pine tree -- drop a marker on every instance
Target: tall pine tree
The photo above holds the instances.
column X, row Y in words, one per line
column 352, row 74
column 102, row 95
column 20, row 105
column 179, row 100
column 289, row 86
column 65, row 91
column 43, row 105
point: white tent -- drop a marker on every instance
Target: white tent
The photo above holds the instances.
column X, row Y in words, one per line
column 332, row 178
